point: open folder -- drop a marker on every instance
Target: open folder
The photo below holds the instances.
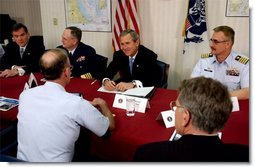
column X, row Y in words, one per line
column 145, row 92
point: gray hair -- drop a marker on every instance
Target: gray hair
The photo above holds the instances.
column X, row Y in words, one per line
column 208, row 102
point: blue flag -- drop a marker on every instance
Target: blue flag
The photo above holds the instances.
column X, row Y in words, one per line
column 195, row 23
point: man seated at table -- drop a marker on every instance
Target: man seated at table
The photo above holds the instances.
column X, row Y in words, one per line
column 49, row 118
column 225, row 65
column 23, row 55
column 201, row 111
column 82, row 56
column 135, row 64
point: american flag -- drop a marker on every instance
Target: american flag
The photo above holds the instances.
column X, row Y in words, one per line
column 126, row 17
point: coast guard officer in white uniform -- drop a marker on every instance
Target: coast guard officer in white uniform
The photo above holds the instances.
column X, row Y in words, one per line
column 225, row 65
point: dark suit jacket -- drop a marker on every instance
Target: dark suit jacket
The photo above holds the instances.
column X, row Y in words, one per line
column 88, row 65
column 193, row 148
column 144, row 67
column 34, row 50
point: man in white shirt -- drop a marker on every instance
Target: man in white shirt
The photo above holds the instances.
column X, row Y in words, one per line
column 225, row 65
column 49, row 118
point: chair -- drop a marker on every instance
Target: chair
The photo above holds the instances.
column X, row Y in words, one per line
column 7, row 158
column 8, row 137
column 101, row 65
column 163, row 73
column 38, row 39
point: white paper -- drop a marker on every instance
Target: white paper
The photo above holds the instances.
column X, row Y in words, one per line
column 26, row 86
column 102, row 89
column 140, row 103
column 138, row 92
column 175, row 136
column 168, row 118
column 31, row 80
column 235, row 104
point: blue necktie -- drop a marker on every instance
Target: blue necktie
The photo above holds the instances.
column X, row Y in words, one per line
column 131, row 60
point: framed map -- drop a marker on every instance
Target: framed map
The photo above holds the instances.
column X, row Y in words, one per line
column 89, row 15
column 237, row 8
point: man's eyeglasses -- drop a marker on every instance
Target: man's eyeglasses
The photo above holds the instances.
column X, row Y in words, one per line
column 173, row 106
column 216, row 42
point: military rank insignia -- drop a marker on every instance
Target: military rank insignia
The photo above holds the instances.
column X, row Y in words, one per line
column 206, row 55
column 242, row 59
column 86, row 76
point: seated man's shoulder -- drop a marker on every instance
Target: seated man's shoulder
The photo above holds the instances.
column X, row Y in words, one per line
column 60, row 46
column 36, row 40
column 241, row 59
column 148, row 51
column 206, row 55
column 85, row 46
column 11, row 45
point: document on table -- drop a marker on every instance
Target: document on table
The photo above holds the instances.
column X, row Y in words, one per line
column 138, row 92
column 102, row 89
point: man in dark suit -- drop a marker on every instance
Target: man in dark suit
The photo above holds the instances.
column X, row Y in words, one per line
column 82, row 56
column 201, row 110
column 21, row 56
column 135, row 64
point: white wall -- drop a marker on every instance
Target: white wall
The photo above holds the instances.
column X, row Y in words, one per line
column 27, row 12
column 161, row 27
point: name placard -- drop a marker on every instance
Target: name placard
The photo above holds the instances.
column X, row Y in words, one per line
column 140, row 103
column 235, row 104
column 168, row 118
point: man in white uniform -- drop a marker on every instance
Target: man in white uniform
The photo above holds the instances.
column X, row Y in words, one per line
column 225, row 65
column 49, row 118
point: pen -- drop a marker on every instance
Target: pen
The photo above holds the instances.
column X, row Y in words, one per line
column 93, row 82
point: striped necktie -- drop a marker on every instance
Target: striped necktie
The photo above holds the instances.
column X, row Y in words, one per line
column 21, row 51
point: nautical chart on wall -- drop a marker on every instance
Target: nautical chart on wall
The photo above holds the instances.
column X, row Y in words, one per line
column 237, row 8
column 89, row 15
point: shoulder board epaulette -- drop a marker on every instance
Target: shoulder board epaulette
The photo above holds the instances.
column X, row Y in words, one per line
column 242, row 59
column 206, row 55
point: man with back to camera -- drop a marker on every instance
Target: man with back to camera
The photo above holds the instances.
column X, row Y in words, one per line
column 225, row 65
column 82, row 56
column 49, row 118
column 21, row 56
column 135, row 64
column 201, row 111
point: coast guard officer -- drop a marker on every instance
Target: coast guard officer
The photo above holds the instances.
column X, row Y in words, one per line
column 225, row 65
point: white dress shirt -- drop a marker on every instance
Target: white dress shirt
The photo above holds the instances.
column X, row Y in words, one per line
column 49, row 122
